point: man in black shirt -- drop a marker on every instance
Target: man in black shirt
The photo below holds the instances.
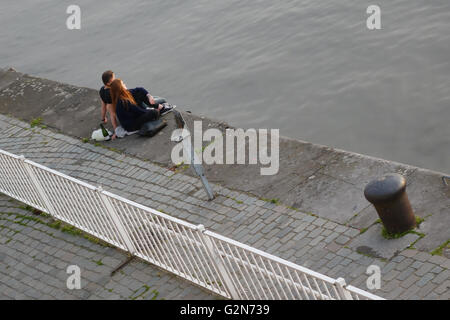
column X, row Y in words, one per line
column 105, row 95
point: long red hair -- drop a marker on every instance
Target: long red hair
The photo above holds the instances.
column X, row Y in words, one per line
column 118, row 91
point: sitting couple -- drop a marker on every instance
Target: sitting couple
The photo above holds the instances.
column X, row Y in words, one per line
column 129, row 108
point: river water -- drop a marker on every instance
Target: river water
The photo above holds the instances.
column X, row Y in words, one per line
column 310, row 68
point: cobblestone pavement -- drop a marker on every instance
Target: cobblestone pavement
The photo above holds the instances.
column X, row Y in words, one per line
column 319, row 244
column 35, row 253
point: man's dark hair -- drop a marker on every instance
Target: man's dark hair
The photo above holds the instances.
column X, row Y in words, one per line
column 106, row 76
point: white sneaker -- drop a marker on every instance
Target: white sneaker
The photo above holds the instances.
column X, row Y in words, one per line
column 166, row 109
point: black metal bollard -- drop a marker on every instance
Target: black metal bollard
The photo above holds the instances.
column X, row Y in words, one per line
column 388, row 196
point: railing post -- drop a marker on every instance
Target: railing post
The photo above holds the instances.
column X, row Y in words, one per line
column 188, row 149
column 197, row 167
column 217, row 260
column 340, row 286
column 113, row 214
column 48, row 205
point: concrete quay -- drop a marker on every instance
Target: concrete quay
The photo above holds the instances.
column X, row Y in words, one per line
column 312, row 212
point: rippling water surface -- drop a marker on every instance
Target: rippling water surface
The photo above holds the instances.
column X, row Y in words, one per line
column 310, row 68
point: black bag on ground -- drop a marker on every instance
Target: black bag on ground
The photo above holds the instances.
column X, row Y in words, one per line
column 149, row 129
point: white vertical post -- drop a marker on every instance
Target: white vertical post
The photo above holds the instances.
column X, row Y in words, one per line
column 48, row 205
column 217, row 260
column 196, row 165
column 113, row 214
column 190, row 155
column 340, row 285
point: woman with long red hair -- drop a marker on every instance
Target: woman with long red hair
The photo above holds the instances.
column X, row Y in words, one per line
column 130, row 113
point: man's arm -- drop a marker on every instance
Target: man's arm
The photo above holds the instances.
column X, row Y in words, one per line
column 104, row 107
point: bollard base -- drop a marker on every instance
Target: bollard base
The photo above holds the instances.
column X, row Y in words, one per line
column 397, row 216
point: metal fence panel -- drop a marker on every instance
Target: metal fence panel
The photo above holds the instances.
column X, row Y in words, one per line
column 259, row 275
column 16, row 182
column 170, row 244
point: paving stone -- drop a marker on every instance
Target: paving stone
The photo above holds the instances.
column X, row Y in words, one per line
column 425, row 279
column 352, row 232
column 344, row 252
column 334, row 262
column 398, row 258
column 394, row 294
column 446, row 264
column 334, row 247
column 315, row 232
column 426, row 289
column 444, row 287
column 391, row 275
column 423, row 256
column 319, row 222
column 346, row 262
column 331, row 237
column 437, row 259
column 405, row 274
column 316, row 241
column 437, row 270
column 424, row 269
column 405, row 263
column 412, row 279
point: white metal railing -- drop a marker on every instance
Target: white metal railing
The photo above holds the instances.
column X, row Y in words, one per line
column 224, row 266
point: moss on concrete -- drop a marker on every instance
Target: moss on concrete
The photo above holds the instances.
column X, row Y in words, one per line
column 439, row 250
column 388, row 235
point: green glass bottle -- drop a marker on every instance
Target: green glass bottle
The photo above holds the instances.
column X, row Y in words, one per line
column 104, row 131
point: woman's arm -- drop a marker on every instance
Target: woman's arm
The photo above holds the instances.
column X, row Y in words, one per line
column 113, row 116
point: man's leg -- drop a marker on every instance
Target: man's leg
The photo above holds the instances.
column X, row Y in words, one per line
column 152, row 106
column 162, row 107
